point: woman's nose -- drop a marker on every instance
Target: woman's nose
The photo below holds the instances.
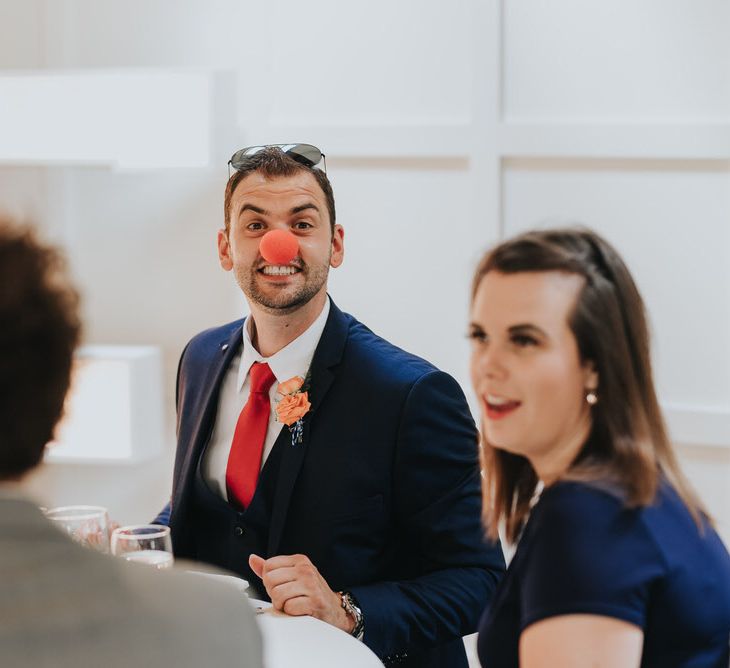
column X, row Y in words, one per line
column 490, row 362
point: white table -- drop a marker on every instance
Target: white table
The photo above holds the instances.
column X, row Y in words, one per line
column 306, row 642
column 299, row 642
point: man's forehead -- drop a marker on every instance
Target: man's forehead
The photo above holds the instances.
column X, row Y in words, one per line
column 277, row 190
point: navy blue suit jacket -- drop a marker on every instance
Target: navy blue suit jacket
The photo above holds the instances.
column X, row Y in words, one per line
column 383, row 495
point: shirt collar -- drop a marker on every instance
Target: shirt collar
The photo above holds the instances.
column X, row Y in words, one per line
column 292, row 360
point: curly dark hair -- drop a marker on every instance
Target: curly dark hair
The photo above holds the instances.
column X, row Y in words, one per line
column 39, row 330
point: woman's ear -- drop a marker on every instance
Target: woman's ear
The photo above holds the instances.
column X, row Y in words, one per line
column 590, row 376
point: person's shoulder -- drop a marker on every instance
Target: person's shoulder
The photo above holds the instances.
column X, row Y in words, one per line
column 218, row 334
column 670, row 522
column 179, row 585
column 170, row 603
column 120, row 610
column 575, row 517
column 584, row 551
column 574, row 502
column 580, row 523
column 213, row 338
column 382, row 356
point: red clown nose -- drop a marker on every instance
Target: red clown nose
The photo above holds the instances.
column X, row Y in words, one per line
column 279, row 247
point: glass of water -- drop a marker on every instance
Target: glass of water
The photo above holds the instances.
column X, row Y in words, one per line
column 87, row 525
column 146, row 543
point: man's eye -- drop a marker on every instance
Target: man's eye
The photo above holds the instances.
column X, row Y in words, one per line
column 255, row 226
column 302, row 225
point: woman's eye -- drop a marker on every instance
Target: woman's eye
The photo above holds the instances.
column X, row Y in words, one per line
column 523, row 340
column 477, row 336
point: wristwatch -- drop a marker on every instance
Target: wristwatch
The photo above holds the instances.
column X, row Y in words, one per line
column 349, row 605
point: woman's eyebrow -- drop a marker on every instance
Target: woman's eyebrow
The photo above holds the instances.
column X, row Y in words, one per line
column 527, row 328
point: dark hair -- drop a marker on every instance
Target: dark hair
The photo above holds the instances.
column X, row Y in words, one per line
column 39, row 329
column 272, row 162
column 628, row 447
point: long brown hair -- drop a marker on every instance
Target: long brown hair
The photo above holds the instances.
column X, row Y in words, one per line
column 628, row 448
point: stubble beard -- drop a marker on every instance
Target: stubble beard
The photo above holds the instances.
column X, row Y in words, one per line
column 284, row 300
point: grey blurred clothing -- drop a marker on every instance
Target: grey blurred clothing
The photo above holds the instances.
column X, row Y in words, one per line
column 64, row 605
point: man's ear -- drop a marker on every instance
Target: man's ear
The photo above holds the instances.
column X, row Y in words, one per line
column 224, row 250
column 338, row 246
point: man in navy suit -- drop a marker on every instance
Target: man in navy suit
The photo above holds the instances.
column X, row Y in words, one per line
column 365, row 511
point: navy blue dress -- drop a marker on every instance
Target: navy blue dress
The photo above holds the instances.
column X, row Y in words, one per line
column 583, row 552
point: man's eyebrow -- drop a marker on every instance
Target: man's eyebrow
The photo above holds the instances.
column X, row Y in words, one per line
column 255, row 209
column 304, row 207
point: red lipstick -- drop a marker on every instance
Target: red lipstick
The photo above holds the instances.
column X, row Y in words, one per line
column 499, row 411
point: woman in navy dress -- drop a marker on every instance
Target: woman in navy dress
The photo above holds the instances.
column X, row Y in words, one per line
column 617, row 563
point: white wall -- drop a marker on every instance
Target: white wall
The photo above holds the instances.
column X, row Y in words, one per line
column 447, row 126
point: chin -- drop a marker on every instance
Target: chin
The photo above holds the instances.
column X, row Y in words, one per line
column 282, row 303
column 501, row 442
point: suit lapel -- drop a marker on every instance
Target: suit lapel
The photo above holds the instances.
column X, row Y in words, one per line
column 207, row 405
column 322, row 373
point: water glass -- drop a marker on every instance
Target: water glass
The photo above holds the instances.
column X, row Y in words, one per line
column 145, row 543
column 87, row 525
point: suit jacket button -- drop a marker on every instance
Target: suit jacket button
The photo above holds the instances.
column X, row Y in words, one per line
column 238, row 531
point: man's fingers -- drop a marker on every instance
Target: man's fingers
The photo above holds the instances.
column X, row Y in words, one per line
column 279, row 576
column 301, row 605
column 288, row 591
column 295, row 586
column 257, row 564
column 285, row 561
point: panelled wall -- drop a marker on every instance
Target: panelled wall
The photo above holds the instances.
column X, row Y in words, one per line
column 446, row 126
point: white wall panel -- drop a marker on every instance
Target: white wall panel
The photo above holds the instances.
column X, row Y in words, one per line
column 655, row 60
column 144, row 250
column 21, row 34
column 225, row 35
column 672, row 227
column 125, row 118
column 154, row 33
column 407, row 256
column 708, row 470
column 22, row 192
column 372, row 63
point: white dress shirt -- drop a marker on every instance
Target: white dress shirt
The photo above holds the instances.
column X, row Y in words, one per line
column 293, row 360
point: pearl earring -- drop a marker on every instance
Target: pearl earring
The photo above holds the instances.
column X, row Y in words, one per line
column 591, row 398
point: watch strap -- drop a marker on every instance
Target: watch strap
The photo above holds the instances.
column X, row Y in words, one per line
column 350, row 606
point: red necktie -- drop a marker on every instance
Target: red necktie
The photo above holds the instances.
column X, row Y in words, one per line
column 244, row 460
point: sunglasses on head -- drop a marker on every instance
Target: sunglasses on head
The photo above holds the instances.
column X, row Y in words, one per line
column 306, row 154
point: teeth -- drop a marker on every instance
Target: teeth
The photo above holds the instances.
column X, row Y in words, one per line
column 497, row 401
column 279, row 270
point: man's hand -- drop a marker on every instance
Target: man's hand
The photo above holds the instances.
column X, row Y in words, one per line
column 296, row 587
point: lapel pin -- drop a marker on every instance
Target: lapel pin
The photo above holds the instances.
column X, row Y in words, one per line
column 224, row 346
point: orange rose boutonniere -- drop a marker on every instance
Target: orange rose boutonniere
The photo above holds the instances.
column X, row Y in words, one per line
column 293, row 406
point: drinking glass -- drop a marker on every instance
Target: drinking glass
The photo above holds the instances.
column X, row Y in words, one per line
column 87, row 525
column 146, row 543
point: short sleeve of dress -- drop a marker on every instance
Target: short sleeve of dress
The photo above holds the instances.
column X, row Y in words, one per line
column 586, row 554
